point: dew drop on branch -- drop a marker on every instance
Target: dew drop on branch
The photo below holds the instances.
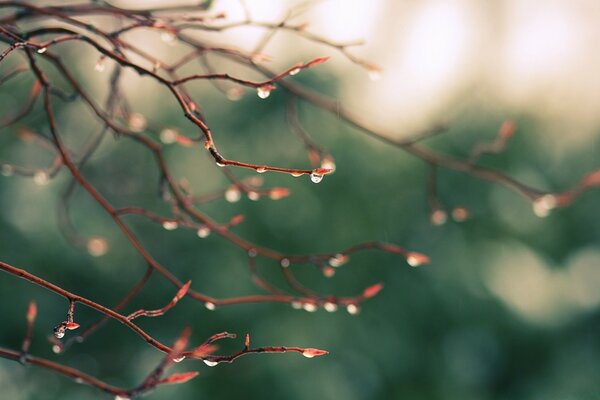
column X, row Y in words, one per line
column 233, row 195
column 203, row 232
column 330, row 306
column 121, row 397
column 295, row 71
column 263, row 92
column 297, row 174
column 438, row 217
column 179, row 359
column 252, row 195
column 137, row 122
column 338, row 260
column 168, row 135
column 543, row 205
column 210, row 363
column 310, row 307
column 210, row 306
column 284, row 262
column 296, row 305
column 42, row 50
column 41, row 178
column 316, row 178
column 352, row 309
column 170, row 225
column 261, row 170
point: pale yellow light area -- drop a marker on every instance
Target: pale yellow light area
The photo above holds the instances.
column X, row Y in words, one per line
column 541, row 293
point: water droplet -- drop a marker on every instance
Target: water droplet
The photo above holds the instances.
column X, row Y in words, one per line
column 252, row 195
column 252, row 253
column 338, row 260
column 42, row 50
column 79, row 380
column 263, row 92
column 308, row 354
column 170, row 225
column 121, row 397
column 233, row 195
column 168, row 135
column 544, row 204
column 416, row 259
column 316, row 178
column 295, row 71
column 7, row 170
column 220, row 164
column 179, row 359
column 296, row 305
column 438, row 217
column 297, row 174
column 284, row 262
column 56, row 349
column 330, row 307
column 261, row 170
column 210, row 363
column 210, row 306
column 59, row 334
column 41, row 178
column 310, row 307
column 352, row 309
column 97, row 246
column 203, row 232
column 137, row 122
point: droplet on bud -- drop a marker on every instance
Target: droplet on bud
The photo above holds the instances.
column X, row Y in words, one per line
column 210, row 306
column 179, row 359
column 41, row 178
column 338, row 260
column 233, row 194
column 310, row 307
column 252, row 195
column 203, row 232
column 97, row 246
column 264, row 91
column 7, row 170
column 352, row 309
column 168, row 135
column 137, row 122
column 170, row 225
column 42, row 50
column 544, row 204
column 261, row 170
column 295, row 71
column 284, row 262
column 416, row 259
column 438, row 217
column 316, row 178
column 210, row 363
column 330, row 307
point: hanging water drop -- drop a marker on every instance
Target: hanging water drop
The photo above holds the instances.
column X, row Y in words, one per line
column 310, row 307
column 544, row 204
column 233, row 195
column 295, row 71
column 338, row 260
column 352, row 309
column 296, row 305
column 316, row 178
column 252, row 195
column 252, row 253
column 42, row 50
column 179, row 359
column 284, row 262
column 210, row 306
column 416, row 259
column 328, row 272
column 56, row 349
column 137, row 122
column 170, row 225
column 438, row 217
column 261, row 170
column 263, row 92
column 220, row 164
column 296, row 174
column 210, row 363
column 203, row 232
column 330, row 307
column 121, row 397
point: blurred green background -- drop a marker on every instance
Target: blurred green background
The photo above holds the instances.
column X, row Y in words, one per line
column 508, row 308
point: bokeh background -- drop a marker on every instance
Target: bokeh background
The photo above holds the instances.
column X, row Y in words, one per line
column 508, row 307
